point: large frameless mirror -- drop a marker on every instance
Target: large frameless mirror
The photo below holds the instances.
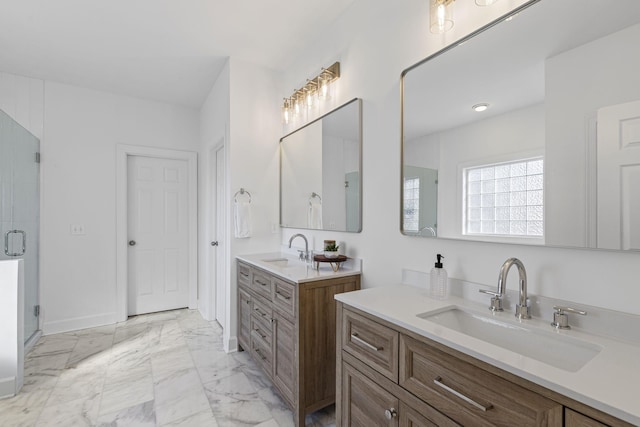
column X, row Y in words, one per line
column 528, row 131
column 320, row 172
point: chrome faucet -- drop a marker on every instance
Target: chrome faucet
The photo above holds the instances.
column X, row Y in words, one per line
column 523, row 311
column 303, row 256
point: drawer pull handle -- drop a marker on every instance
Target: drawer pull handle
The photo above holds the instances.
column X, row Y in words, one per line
column 259, row 312
column 242, row 273
column 439, row 383
column 355, row 337
column 260, row 354
column 260, row 333
column 284, row 297
column 260, row 283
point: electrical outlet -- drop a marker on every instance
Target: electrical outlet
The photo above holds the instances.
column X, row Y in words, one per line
column 77, row 230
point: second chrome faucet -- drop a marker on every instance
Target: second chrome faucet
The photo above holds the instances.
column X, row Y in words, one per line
column 523, row 310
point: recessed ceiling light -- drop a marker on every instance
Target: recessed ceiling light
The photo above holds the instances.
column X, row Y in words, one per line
column 480, row 107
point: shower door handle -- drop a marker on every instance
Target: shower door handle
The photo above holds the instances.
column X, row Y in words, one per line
column 6, row 242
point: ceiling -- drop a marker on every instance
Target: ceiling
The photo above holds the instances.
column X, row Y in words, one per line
column 164, row 50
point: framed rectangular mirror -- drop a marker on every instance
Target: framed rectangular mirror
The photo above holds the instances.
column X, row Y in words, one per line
column 554, row 158
column 321, row 170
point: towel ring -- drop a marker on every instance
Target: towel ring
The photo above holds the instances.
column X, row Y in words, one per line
column 241, row 191
column 314, row 195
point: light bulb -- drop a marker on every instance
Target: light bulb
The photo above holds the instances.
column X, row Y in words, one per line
column 286, row 107
column 441, row 16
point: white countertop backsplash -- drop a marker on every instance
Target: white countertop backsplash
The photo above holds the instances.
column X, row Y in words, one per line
column 608, row 382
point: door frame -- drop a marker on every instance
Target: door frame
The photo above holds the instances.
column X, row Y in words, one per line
column 122, row 284
column 218, row 215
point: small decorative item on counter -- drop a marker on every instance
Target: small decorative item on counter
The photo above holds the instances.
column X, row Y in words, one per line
column 331, row 249
column 439, row 288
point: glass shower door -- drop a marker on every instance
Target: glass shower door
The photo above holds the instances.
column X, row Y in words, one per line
column 20, row 209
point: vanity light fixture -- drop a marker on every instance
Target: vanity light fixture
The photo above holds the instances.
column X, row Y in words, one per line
column 441, row 16
column 286, row 111
column 478, row 108
column 319, row 87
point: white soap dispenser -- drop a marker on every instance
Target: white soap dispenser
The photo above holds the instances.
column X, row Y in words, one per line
column 439, row 288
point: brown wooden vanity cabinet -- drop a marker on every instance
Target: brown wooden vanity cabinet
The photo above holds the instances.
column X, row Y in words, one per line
column 290, row 331
column 389, row 376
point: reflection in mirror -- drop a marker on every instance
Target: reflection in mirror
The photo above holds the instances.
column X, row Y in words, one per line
column 555, row 158
column 320, row 172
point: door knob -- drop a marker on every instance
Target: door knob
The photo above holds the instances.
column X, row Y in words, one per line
column 132, row 242
column 214, row 243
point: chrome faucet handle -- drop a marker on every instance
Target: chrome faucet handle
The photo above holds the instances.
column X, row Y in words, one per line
column 301, row 255
column 561, row 319
column 523, row 311
column 496, row 300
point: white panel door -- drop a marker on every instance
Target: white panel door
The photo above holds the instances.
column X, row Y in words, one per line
column 618, row 157
column 158, row 225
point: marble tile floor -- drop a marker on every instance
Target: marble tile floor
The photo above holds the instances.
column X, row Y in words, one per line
column 160, row 369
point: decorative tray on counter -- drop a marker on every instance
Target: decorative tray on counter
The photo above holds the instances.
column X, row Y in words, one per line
column 333, row 262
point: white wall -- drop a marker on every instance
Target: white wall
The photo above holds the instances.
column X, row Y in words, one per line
column 375, row 40
column 253, row 164
column 23, row 99
column 83, row 127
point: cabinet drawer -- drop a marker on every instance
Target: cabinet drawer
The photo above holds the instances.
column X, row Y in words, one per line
column 469, row 395
column 374, row 344
column 244, row 275
column 284, row 296
column 261, row 352
column 261, row 327
column 261, row 283
column 261, row 309
column 576, row 419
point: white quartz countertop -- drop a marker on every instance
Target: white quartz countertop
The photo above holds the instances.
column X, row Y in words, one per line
column 290, row 268
column 607, row 382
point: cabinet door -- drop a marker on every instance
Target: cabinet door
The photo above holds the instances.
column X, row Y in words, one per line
column 244, row 311
column 576, row 419
column 365, row 403
column 423, row 415
column 284, row 363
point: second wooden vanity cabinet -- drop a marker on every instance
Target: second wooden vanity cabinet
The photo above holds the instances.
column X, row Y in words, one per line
column 390, row 376
column 290, row 331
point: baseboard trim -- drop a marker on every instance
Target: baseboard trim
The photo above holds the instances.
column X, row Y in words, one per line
column 7, row 387
column 31, row 342
column 76, row 323
column 230, row 344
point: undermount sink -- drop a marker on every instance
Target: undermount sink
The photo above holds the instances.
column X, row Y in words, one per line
column 277, row 262
column 560, row 351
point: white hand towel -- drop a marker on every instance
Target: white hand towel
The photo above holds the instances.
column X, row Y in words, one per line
column 315, row 216
column 242, row 214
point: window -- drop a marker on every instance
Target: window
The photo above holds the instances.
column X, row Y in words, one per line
column 505, row 199
column 411, row 204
